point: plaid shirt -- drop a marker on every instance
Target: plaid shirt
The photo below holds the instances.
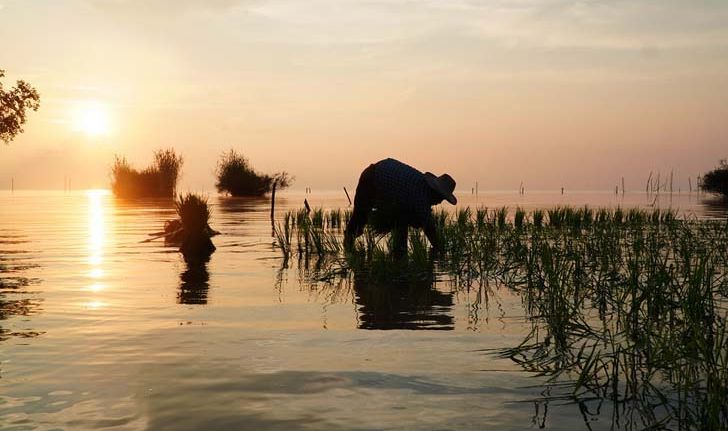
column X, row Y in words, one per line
column 401, row 192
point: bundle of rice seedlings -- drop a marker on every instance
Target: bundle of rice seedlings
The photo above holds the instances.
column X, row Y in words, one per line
column 194, row 217
column 193, row 212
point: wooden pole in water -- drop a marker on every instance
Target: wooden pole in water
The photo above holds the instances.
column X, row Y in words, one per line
column 647, row 187
column 670, row 182
column 622, row 185
column 476, row 189
column 659, row 182
column 347, row 196
column 273, row 203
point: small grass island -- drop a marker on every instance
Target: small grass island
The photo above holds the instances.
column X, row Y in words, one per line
column 159, row 180
column 236, row 177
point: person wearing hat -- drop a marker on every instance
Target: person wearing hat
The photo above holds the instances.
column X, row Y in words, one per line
column 392, row 196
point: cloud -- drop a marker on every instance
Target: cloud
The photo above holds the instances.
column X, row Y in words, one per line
column 602, row 25
column 618, row 24
column 167, row 7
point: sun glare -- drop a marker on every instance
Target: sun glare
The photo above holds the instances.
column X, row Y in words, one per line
column 92, row 118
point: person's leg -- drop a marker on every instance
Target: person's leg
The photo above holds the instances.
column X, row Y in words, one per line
column 399, row 240
column 363, row 203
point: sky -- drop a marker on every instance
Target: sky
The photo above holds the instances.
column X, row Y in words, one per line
column 551, row 93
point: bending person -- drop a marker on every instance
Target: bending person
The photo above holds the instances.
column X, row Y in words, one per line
column 392, row 196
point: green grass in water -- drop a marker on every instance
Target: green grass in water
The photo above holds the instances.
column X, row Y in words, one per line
column 627, row 306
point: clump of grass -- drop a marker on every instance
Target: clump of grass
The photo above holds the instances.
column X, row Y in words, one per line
column 538, row 218
column 193, row 212
column 237, row 177
column 192, row 229
column 157, row 180
column 716, row 181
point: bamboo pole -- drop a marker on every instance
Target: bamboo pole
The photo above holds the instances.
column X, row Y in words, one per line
column 647, row 187
column 273, row 203
column 347, row 196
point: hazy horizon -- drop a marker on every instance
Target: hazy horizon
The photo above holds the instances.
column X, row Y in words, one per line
column 553, row 93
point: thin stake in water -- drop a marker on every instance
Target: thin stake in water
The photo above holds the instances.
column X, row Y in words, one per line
column 347, row 196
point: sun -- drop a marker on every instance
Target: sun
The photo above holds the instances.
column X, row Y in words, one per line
column 92, row 119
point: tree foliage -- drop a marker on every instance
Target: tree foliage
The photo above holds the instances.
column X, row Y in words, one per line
column 236, row 177
column 14, row 104
column 716, row 181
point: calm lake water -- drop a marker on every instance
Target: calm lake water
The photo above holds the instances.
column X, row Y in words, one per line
column 99, row 330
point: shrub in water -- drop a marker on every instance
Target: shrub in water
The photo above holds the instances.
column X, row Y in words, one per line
column 716, row 181
column 157, row 180
column 236, row 177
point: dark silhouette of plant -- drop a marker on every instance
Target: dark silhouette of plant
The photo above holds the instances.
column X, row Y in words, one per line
column 194, row 215
column 193, row 212
column 157, row 180
column 13, row 105
column 716, row 181
column 236, row 177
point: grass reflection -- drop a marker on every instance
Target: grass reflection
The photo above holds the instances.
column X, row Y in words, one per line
column 194, row 281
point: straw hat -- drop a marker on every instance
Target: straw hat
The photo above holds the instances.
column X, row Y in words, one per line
column 444, row 185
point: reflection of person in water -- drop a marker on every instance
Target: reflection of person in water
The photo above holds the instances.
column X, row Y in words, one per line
column 402, row 304
column 194, row 279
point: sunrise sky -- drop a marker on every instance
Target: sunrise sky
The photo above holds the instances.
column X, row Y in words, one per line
column 550, row 92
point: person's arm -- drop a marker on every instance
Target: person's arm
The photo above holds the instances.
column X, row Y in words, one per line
column 363, row 201
column 431, row 232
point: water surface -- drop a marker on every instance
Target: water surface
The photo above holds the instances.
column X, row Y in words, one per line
column 101, row 330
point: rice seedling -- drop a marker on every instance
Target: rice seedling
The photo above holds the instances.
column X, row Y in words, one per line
column 626, row 307
column 519, row 217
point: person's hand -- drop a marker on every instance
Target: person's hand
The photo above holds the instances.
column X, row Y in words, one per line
column 348, row 242
column 434, row 252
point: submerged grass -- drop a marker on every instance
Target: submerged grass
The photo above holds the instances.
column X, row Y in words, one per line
column 626, row 306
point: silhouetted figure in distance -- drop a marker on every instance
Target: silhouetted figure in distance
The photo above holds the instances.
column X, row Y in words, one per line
column 393, row 196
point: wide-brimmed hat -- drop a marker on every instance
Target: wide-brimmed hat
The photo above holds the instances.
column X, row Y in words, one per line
column 444, row 185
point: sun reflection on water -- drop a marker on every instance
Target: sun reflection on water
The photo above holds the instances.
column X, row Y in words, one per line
column 96, row 287
column 96, row 228
column 96, row 241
